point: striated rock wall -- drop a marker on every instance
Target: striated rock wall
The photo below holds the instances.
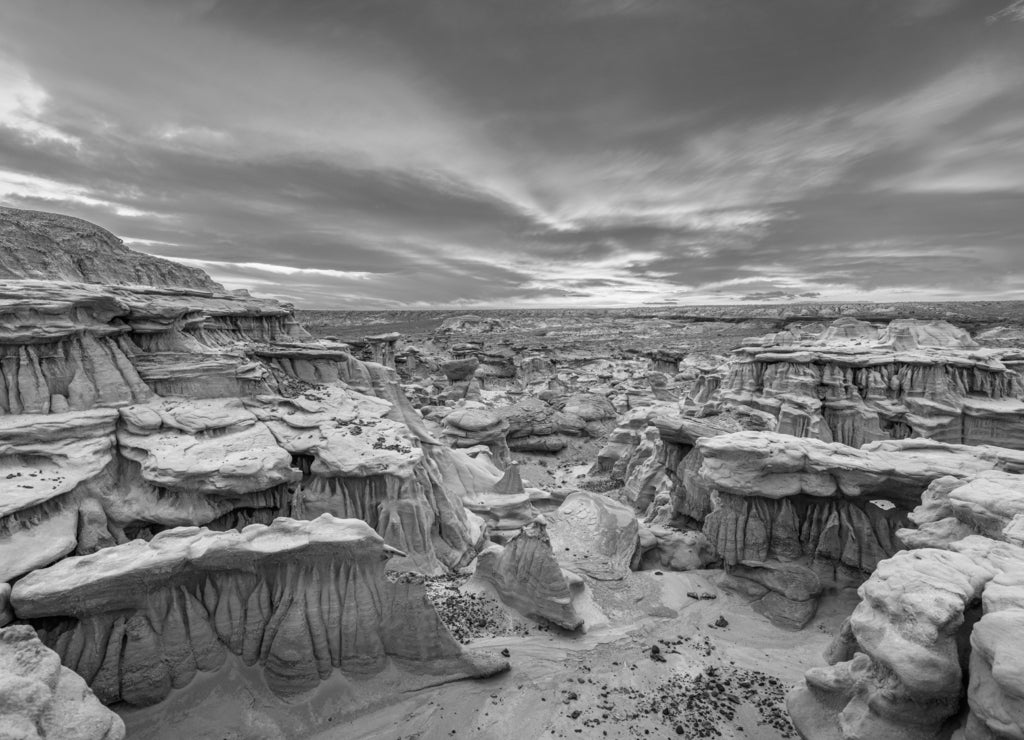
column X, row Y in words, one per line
column 131, row 410
column 856, row 384
column 778, row 496
column 299, row 599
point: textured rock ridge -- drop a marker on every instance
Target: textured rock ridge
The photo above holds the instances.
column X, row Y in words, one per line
column 857, row 383
column 298, row 598
column 594, row 535
column 780, row 497
column 42, row 700
column 952, row 605
column 40, row 245
column 129, row 410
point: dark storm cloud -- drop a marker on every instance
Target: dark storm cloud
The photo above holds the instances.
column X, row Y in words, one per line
column 451, row 152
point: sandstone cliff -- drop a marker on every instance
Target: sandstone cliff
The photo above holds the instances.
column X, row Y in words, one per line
column 50, row 246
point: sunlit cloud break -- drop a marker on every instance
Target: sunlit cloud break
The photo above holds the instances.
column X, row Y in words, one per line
column 536, row 153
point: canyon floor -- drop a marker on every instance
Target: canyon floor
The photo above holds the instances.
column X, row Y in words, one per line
column 714, row 682
column 656, row 664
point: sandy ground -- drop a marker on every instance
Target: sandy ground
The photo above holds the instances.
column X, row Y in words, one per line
column 607, row 684
column 652, row 666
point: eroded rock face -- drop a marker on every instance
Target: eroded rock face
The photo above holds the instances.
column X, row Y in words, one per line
column 996, row 690
column 298, row 598
column 48, row 463
column 42, row 700
column 898, row 674
column 6, row 615
column 786, row 593
column 783, row 497
column 856, row 383
column 528, row 578
column 778, row 465
column 953, row 603
column 593, row 535
column 35, row 244
column 135, row 409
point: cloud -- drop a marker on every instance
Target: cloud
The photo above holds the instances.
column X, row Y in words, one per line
column 605, row 152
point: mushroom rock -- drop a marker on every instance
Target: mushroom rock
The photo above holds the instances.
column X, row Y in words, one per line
column 208, row 446
column 382, row 348
column 594, row 535
column 43, row 700
column 473, row 425
column 300, row 599
column 360, row 463
column 786, row 496
column 461, row 369
column 778, row 465
column 536, row 426
column 527, row 577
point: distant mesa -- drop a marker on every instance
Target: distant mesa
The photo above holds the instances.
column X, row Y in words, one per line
column 36, row 245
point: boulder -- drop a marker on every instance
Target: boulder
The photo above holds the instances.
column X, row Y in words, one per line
column 461, row 369
column 594, row 535
column 42, row 700
column 527, row 577
column 787, row 593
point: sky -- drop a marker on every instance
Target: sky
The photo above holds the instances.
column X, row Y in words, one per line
column 444, row 153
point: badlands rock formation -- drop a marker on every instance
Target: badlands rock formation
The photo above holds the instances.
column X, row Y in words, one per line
column 528, row 578
column 201, row 444
column 949, row 607
column 42, row 700
column 35, row 244
column 195, row 493
column 130, row 410
column 298, row 598
column 855, row 383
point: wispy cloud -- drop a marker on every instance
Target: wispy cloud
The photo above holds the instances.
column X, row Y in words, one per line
column 599, row 152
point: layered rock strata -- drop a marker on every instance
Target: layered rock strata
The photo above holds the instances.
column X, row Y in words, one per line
column 784, row 497
column 298, row 598
column 135, row 409
column 855, row 383
column 35, row 244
